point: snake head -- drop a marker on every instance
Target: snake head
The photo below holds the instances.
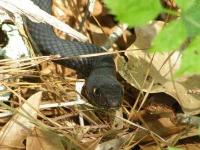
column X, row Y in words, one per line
column 104, row 91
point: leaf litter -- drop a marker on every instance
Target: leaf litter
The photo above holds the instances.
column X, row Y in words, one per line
column 148, row 117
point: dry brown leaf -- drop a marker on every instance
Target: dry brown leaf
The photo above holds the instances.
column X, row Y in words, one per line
column 44, row 140
column 92, row 144
column 185, row 146
column 97, row 35
column 162, row 126
column 149, row 147
column 20, row 126
column 190, row 134
column 135, row 70
column 114, row 144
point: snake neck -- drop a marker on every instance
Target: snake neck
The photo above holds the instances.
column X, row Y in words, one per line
column 104, row 65
column 49, row 44
column 103, row 71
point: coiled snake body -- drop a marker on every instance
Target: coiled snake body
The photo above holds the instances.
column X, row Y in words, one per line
column 101, row 85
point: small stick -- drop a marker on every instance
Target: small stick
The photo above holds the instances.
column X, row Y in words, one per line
column 47, row 106
column 118, row 31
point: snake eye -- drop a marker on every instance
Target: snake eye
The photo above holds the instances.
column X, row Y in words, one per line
column 96, row 92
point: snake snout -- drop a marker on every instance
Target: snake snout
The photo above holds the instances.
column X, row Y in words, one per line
column 114, row 103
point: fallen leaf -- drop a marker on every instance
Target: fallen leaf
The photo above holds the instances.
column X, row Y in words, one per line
column 134, row 72
column 143, row 69
column 20, row 126
column 114, row 144
column 40, row 139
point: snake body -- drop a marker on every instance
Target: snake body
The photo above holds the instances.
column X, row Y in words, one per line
column 102, row 87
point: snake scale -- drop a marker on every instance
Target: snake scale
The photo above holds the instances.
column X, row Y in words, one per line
column 102, row 87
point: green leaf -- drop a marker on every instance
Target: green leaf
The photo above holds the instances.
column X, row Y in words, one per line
column 170, row 38
column 191, row 58
column 134, row 12
column 174, row 148
column 185, row 4
column 191, row 19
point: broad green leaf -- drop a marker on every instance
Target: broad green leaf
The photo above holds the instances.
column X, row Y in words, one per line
column 191, row 19
column 134, row 12
column 185, row 4
column 191, row 58
column 170, row 38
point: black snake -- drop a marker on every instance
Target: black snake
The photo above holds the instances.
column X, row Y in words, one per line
column 102, row 87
